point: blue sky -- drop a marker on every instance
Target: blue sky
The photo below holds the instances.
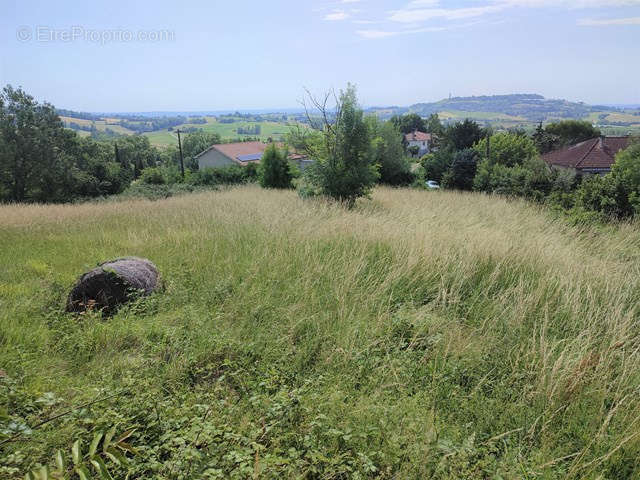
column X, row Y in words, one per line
column 211, row 55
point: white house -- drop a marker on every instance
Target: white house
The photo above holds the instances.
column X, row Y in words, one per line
column 419, row 139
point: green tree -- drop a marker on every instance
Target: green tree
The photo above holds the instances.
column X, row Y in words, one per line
column 462, row 171
column 437, row 163
column 433, row 124
column 409, row 123
column 196, row 143
column 388, row 152
column 32, row 162
column 462, row 135
column 544, row 141
column 274, row 170
column 617, row 194
column 344, row 168
column 506, row 149
column 570, row 132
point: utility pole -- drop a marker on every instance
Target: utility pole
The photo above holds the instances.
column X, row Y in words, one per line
column 181, row 159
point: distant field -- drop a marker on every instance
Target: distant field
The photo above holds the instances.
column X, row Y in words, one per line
column 225, row 130
column 101, row 125
column 162, row 138
column 488, row 116
column 277, row 130
column 421, row 335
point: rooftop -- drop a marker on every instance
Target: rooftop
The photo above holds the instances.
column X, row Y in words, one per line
column 417, row 136
column 595, row 153
column 246, row 152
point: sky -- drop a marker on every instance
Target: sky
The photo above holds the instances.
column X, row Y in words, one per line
column 128, row 56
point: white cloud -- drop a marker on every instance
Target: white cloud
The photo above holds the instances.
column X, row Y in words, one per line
column 336, row 16
column 424, row 3
column 374, row 34
column 606, row 22
column 424, row 10
column 573, row 4
column 350, row 1
column 424, row 14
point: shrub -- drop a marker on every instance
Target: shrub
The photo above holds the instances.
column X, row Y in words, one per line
column 532, row 180
column 388, row 152
column 462, row 171
column 274, row 170
column 507, row 149
column 231, row 175
column 153, row 176
column 616, row 195
column 436, row 164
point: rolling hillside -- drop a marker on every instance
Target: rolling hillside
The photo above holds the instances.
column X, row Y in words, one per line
column 520, row 110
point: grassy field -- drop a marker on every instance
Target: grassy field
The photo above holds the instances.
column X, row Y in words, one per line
column 419, row 335
column 226, row 131
column 101, row 125
column 459, row 115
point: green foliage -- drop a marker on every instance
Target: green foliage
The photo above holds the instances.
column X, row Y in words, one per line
column 344, row 167
column 544, row 141
column 532, row 179
column 461, row 135
column 153, row 176
column 462, row 171
column 41, row 161
column 388, row 152
column 231, row 175
column 195, row 143
column 570, row 132
column 274, row 170
column 437, row 163
column 617, row 194
column 158, row 192
column 105, row 448
column 433, row 125
column 626, row 172
column 408, row 123
column 507, row 149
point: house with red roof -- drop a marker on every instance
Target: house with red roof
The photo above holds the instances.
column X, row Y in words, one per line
column 419, row 139
column 240, row 153
column 595, row 156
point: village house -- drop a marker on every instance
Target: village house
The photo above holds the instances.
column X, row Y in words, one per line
column 594, row 156
column 418, row 139
column 240, row 153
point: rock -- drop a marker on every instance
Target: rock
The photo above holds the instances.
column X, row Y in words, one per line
column 113, row 283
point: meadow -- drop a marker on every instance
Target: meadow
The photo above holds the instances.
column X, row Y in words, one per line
column 418, row 335
column 227, row 131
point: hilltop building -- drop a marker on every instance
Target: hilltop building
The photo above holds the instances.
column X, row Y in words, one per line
column 594, row 156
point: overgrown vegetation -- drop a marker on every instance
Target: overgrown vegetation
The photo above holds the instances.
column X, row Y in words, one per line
column 417, row 335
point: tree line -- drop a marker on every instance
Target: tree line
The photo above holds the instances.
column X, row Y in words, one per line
column 42, row 161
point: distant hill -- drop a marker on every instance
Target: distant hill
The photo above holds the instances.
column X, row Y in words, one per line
column 530, row 107
column 499, row 111
column 522, row 110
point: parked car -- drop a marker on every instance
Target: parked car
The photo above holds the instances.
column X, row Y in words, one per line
column 433, row 185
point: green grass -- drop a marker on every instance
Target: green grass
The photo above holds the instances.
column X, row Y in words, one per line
column 420, row 335
column 226, row 131
column 489, row 116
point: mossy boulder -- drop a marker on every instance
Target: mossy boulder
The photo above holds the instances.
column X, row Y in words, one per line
column 112, row 284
